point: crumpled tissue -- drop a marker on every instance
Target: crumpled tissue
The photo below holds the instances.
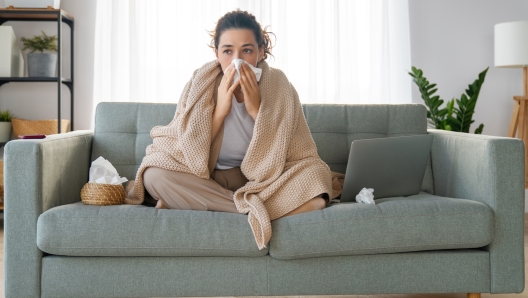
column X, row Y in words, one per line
column 102, row 171
column 366, row 196
column 238, row 63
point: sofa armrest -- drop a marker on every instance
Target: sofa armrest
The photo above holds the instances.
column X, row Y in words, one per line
column 38, row 175
column 489, row 170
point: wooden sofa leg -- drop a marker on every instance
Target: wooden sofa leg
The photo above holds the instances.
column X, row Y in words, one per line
column 473, row 295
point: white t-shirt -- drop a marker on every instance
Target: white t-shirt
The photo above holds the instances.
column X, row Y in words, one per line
column 238, row 131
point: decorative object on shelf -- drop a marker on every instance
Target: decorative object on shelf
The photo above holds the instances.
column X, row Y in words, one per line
column 41, row 64
column 58, row 17
column 32, row 3
column 511, row 50
column 5, row 125
column 11, row 58
column 442, row 118
column 33, row 127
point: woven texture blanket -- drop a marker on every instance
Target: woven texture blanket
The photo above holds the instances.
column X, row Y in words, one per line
column 281, row 163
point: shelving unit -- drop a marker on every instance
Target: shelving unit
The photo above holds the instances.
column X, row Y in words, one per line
column 46, row 15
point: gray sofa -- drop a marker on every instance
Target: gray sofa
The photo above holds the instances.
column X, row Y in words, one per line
column 463, row 233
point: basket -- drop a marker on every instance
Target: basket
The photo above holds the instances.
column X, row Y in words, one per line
column 102, row 194
column 33, row 127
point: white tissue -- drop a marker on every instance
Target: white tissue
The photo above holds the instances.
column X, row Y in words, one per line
column 102, row 171
column 366, row 196
column 238, row 63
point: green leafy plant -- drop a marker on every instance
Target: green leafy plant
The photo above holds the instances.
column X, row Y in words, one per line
column 452, row 118
column 5, row 116
column 40, row 43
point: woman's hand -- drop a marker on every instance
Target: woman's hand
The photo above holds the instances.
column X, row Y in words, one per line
column 250, row 88
column 224, row 100
column 225, row 93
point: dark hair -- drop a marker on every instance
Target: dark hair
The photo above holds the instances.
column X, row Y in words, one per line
column 238, row 19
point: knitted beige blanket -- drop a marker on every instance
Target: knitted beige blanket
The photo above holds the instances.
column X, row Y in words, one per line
column 281, row 163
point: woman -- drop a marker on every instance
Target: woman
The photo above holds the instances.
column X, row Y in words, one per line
column 236, row 145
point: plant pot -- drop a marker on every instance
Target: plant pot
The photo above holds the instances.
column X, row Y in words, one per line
column 33, row 3
column 42, row 65
column 5, row 132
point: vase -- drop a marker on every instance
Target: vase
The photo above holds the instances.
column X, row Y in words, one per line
column 42, row 65
column 5, row 132
column 11, row 58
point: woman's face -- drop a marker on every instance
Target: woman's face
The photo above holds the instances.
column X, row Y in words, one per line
column 238, row 44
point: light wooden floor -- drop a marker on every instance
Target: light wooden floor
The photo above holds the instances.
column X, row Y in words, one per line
column 461, row 295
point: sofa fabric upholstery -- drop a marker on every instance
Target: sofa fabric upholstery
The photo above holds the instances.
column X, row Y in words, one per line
column 417, row 272
column 122, row 133
column 128, row 230
column 400, row 224
column 489, row 170
column 416, row 223
column 38, row 175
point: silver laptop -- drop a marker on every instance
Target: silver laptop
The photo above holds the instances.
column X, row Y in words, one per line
column 391, row 166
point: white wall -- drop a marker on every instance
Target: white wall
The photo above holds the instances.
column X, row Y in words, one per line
column 39, row 100
column 452, row 41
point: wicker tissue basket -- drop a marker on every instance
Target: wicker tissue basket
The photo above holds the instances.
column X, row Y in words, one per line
column 102, row 194
column 32, row 127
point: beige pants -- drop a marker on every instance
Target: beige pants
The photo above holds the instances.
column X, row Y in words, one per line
column 175, row 190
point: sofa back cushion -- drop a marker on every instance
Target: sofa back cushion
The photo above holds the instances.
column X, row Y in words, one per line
column 122, row 130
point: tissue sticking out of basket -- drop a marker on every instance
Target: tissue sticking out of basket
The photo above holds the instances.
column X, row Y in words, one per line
column 104, row 186
column 102, row 171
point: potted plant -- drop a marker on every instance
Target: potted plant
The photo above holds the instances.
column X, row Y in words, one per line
column 452, row 118
column 41, row 64
column 5, row 125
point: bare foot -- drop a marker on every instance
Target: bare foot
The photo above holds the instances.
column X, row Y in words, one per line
column 316, row 203
column 160, row 205
column 129, row 189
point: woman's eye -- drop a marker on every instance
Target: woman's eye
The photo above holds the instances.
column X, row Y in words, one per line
column 227, row 51
column 247, row 51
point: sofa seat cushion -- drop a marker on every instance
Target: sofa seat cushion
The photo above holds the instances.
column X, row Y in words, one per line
column 131, row 230
column 392, row 225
